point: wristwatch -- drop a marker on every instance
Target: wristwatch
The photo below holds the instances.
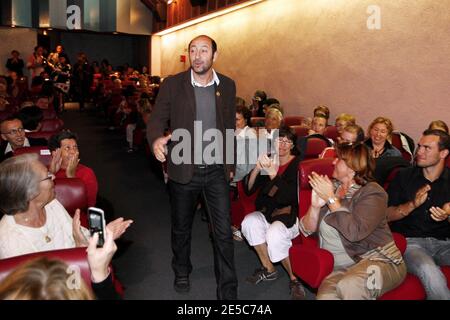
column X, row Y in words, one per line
column 331, row 200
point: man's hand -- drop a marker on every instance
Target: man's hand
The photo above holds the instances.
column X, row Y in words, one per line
column 159, row 148
column 55, row 164
column 421, row 196
column 440, row 214
column 72, row 165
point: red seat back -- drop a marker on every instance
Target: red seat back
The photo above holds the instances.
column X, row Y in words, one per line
column 52, row 125
column 40, row 135
column 293, row 121
column 328, row 153
column 45, row 156
column 300, row 131
column 391, row 177
column 49, row 114
column 331, row 133
column 72, row 257
column 71, row 192
column 314, row 147
column 448, row 161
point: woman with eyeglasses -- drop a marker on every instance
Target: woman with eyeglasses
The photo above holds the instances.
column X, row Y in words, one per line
column 349, row 215
column 34, row 220
column 271, row 228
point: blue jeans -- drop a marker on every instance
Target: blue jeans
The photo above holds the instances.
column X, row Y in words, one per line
column 423, row 257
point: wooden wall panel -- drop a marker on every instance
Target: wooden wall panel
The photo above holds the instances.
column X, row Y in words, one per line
column 182, row 10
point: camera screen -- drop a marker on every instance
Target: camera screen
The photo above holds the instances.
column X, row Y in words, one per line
column 95, row 222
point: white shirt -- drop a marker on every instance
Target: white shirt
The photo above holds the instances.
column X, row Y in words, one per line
column 9, row 148
column 16, row 239
column 215, row 79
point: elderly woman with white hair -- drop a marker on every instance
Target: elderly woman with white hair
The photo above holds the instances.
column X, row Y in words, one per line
column 33, row 219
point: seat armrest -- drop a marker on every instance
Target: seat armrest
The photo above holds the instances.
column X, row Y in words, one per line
column 311, row 264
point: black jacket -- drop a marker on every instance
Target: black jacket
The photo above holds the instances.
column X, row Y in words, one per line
column 281, row 192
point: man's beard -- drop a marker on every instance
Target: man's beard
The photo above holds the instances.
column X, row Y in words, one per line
column 204, row 69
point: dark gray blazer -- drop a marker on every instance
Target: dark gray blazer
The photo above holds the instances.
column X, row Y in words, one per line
column 175, row 109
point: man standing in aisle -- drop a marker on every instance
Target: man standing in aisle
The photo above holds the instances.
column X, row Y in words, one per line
column 197, row 101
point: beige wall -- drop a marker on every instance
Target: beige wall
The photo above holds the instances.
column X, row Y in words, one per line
column 307, row 53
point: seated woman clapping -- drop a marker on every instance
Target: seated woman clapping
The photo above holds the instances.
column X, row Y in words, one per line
column 349, row 215
column 271, row 228
column 33, row 219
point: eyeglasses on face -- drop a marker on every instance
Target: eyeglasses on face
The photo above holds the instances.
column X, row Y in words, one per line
column 15, row 132
column 284, row 141
column 50, row 176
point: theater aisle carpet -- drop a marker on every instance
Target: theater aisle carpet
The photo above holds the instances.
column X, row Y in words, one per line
column 129, row 188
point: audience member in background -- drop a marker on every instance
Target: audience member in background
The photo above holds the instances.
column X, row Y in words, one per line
column 323, row 111
column 13, row 136
column 379, row 132
column 31, row 118
column 81, row 79
column 3, row 104
column 34, row 220
column 319, row 124
column 419, row 207
column 271, row 228
column 350, row 134
column 343, row 120
column 257, row 103
column 387, row 157
column 65, row 163
column 44, row 103
column 273, row 120
column 244, row 152
column 438, row 125
column 349, row 216
column 37, row 62
column 272, row 103
column 53, row 57
column 46, row 279
column 15, row 63
column 144, row 108
column 241, row 103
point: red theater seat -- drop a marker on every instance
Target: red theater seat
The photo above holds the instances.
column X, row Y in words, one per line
column 45, row 156
column 300, row 131
column 40, row 134
column 331, row 133
column 71, row 192
column 75, row 256
column 314, row 147
column 293, row 120
column 52, row 125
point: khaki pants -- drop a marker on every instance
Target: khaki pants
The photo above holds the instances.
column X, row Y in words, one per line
column 365, row 280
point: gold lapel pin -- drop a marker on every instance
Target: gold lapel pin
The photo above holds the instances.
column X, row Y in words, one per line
column 218, row 93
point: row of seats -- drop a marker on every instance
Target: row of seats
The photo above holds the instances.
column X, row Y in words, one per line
column 311, row 263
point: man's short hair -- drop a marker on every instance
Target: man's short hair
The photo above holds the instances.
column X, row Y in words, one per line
column 444, row 138
column 55, row 141
column 213, row 43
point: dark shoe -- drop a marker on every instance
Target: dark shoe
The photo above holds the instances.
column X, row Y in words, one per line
column 297, row 290
column 181, row 284
column 262, row 274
